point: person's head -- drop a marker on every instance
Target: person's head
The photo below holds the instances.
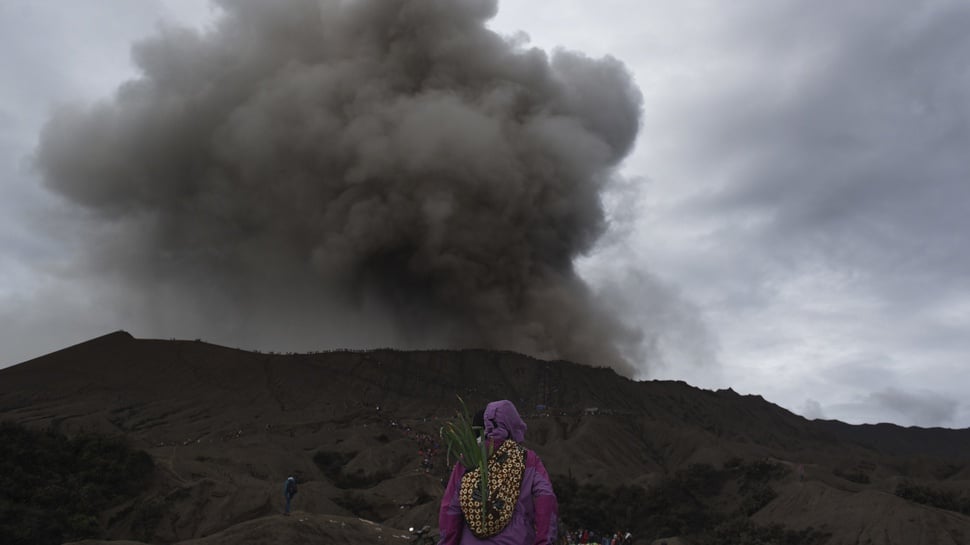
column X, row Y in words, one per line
column 502, row 421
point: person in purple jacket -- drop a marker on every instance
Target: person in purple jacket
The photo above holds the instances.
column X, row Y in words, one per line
column 522, row 505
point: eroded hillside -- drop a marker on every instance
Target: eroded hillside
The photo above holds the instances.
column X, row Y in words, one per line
column 359, row 429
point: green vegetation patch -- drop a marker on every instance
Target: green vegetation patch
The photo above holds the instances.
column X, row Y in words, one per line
column 54, row 488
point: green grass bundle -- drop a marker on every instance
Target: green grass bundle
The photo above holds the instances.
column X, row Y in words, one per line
column 461, row 440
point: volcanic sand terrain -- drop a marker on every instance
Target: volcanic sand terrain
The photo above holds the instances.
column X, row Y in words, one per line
column 225, row 427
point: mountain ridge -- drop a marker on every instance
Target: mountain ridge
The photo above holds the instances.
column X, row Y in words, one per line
column 229, row 423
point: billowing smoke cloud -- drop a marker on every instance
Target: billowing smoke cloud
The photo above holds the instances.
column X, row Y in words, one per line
column 371, row 172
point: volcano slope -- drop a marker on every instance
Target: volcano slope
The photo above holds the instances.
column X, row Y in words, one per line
column 359, row 431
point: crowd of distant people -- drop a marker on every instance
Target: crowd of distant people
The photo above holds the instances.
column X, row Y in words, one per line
column 429, row 446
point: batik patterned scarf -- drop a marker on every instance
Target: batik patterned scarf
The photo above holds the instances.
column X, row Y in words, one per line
column 505, row 469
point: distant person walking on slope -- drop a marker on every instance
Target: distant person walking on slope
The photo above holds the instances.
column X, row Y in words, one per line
column 519, row 491
column 289, row 490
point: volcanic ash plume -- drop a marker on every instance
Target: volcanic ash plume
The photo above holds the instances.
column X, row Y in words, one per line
column 371, row 172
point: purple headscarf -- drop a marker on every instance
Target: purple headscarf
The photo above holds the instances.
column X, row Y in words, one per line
column 502, row 421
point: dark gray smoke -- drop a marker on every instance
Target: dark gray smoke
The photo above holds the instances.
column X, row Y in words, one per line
column 371, row 172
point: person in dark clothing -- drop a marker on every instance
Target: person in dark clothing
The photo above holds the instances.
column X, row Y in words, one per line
column 289, row 490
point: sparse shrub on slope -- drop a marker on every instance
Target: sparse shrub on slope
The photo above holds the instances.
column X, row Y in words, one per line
column 675, row 506
column 702, row 479
column 854, row 475
column 755, row 498
column 53, row 489
column 943, row 499
column 741, row 531
column 760, row 472
column 593, row 506
column 682, row 504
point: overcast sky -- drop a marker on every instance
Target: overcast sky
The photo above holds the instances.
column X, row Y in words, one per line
column 790, row 223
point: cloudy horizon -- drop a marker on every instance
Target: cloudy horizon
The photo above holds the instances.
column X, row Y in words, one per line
column 788, row 224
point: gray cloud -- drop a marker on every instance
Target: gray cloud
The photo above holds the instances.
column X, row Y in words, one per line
column 924, row 408
column 812, row 410
column 849, row 148
column 324, row 173
column 818, row 196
